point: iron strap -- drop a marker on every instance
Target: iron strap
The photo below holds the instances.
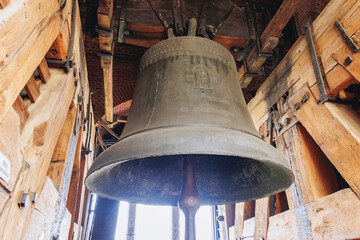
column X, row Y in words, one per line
column 346, row 37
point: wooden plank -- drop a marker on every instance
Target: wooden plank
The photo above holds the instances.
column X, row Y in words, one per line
column 4, row 3
column 44, row 71
column 32, row 89
column 21, row 110
column 239, row 220
column 58, row 162
column 333, row 133
column 39, row 135
column 332, row 217
column 261, row 218
column 42, row 26
column 107, row 66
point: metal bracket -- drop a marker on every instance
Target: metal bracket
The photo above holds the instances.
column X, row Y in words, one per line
column 178, row 24
column 104, row 31
column 248, row 74
column 316, row 65
column 346, row 37
column 122, row 22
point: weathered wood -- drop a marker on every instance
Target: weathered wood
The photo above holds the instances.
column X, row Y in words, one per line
column 239, row 220
column 21, row 110
column 59, row 48
column 295, row 69
column 107, row 66
column 334, row 133
column 11, row 147
column 249, row 228
column 39, row 225
column 44, row 71
column 60, row 155
column 32, row 89
column 105, row 13
column 332, row 217
column 4, row 3
column 269, row 39
column 42, row 26
column 39, row 135
column 261, row 218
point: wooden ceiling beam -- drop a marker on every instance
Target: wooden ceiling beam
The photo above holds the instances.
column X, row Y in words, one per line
column 268, row 41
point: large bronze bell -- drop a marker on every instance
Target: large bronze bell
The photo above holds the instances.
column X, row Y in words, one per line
column 188, row 102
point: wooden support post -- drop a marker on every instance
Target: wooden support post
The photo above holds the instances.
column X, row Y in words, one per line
column 268, row 40
column 44, row 71
column 105, row 13
column 107, row 66
column 314, row 174
column 239, row 220
column 21, row 110
column 32, row 89
column 261, row 218
column 335, row 129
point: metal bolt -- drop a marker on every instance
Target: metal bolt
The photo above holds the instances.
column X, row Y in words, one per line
column 235, row 49
column 266, row 133
column 286, row 121
column 220, row 218
column 33, row 197
column 126, row 32
column 304, row 98
column 278, row 128
column 297, row 106
column 23, row 199
column 348, row 60
column 53, row 52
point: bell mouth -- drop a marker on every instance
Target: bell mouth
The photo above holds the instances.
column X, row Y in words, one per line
column 230, row 166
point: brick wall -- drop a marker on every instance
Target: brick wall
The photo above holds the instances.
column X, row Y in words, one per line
column 126, row 63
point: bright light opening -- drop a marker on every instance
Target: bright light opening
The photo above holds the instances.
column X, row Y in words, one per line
column 155, row 222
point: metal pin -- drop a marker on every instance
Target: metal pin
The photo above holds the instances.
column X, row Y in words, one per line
column 23, row 199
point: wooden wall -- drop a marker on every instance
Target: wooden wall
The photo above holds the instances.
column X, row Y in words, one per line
column 318, row 139
column 45, row 120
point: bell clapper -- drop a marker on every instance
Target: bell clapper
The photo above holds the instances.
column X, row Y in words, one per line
column 189, row 201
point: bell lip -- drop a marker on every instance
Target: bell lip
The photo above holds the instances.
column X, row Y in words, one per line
column 139, row 145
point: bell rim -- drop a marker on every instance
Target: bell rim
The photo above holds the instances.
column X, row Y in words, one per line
column 101, row 167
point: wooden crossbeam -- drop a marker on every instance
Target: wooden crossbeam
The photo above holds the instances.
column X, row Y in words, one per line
column 268, row 40
column 44, row 71
column 32, row 89
column 22, row 111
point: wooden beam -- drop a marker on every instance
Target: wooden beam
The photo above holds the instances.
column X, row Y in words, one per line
column 21, row 110
column 296, row 69
column 314, row 174
column 332, row 217
column 107, row 66
column 42, row 22
column 58, row 161
column 32, row 89
column 44, row 71
column 74, row 185
column 261, row 218
column 335, row 129
column 268, row 40
column 105, row 13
